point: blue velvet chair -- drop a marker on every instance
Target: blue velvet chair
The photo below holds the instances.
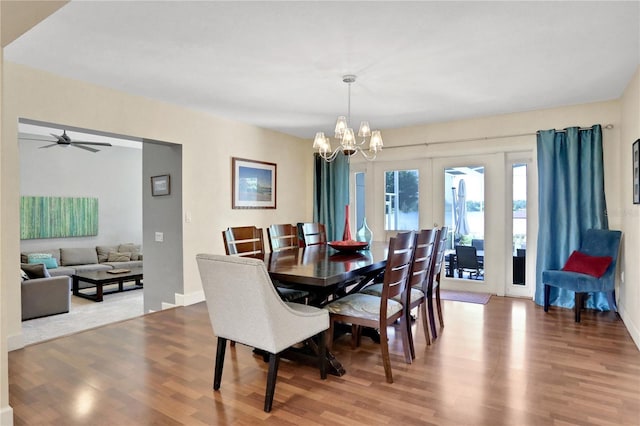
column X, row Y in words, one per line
column 595, row 242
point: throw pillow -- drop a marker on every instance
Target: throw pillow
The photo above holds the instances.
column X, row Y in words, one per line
column 115, row 256
column 31, row 257
column 583, row 263
column 23, row 275
column 103, row 252
column 129, row 248
column 49, row 262
column 35, row 270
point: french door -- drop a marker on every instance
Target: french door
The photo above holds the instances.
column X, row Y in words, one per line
column 424, row 193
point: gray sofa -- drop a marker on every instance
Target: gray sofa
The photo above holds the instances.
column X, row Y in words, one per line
column 42, row 297
column 82, row 259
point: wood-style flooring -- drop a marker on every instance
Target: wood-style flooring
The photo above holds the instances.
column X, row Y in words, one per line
column 504, row 363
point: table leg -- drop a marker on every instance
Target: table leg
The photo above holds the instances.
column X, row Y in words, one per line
column 99, row 293
column 76, row 286
column 121, row 286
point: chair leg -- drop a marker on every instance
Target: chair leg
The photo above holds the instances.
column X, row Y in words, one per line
column 274, row 361
column 425, row 323
column 405, row 332
column 439, row 304
column 217, row 375
column 384, row 347
column 432, row 318
column 579, row 301
column 547, row 293
column 412, row 350
column 322, row 354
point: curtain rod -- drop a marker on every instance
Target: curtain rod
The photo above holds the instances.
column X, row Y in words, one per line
column 608, row 126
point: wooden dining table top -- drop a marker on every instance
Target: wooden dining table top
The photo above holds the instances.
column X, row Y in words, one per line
column 323, row 266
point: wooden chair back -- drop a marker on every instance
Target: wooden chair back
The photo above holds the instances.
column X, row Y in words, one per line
column 438, row 259
column 282, row 237
column 422, row 259
column 398, row 268
column 312, row 233
column 243, row 241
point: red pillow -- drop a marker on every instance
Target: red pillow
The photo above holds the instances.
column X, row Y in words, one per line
column 585, row 264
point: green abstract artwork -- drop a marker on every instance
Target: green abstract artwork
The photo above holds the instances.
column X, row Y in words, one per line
column 58, row 217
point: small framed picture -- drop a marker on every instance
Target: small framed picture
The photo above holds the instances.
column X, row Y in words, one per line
column 160, row 185
column 253, row 184
column 636, row 172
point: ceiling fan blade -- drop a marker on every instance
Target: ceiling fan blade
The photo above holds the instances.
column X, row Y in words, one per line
column 34, row 139
column 59, row 138
column 92, row 143
column 49, row 146
column 85, row 147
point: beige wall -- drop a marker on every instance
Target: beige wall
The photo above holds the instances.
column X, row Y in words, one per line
column 208, row 145
column 630, row 288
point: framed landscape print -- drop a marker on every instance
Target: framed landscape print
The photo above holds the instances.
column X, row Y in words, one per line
column 636, row 172
column 253, row 184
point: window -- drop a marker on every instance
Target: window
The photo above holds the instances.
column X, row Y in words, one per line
column 401, row 200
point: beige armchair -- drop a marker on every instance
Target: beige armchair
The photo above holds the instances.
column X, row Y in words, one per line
column 263, row 321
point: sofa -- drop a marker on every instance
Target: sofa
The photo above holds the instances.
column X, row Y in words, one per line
column 46, row 296
column 68, row 261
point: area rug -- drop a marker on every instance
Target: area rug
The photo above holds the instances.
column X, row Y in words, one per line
column 83, row 315
column 465, row 296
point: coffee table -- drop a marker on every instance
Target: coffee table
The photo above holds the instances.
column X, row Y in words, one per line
column 98, row 279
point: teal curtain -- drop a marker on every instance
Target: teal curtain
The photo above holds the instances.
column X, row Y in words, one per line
column 571, row 200
column 331, row 194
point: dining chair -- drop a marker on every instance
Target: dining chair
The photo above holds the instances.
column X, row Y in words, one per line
column 311, row 233
column 421, row 264
column 467, row 260
column 248, row 241
column 590, row 269
column 243, row 241
column 366, row 310
column 434, row 281
column 282, row 237
column 263, row 321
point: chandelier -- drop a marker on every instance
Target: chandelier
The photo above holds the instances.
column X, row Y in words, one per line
column 344, row 134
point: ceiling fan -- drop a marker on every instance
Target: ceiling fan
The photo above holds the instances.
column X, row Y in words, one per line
column 64, row 140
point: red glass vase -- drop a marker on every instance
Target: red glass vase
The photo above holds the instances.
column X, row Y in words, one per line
column 346, row 235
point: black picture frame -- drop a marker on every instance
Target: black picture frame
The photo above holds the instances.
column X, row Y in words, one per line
column 160, row 185
column 636, row 172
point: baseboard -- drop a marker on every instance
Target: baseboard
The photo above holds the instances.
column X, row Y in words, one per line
column 190, row 298
column 631, row 327
column 14, row 342
column 6, row 416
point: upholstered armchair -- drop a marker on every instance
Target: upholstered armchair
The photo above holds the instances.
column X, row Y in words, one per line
column 590, row 269
column 263, row 321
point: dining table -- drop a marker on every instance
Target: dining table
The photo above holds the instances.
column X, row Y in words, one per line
column 327, row 273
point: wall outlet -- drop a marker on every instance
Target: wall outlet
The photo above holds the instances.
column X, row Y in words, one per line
column 159, row 237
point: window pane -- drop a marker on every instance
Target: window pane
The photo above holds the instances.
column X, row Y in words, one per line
column 519, row 222
column 464, row 216
column 401, row 200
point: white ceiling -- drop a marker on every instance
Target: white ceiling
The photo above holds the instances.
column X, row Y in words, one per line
column 279, row 64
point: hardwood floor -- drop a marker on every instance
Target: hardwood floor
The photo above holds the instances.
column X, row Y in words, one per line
column 506, row 362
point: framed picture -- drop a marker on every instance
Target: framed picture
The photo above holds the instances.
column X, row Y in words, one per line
column 253, row 184
column 636, row 172
column 160, row 185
